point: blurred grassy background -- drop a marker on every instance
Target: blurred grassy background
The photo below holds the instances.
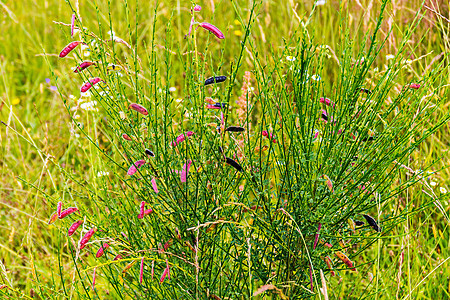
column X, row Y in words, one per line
column 28, row 247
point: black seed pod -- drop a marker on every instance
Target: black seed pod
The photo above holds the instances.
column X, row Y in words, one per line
column 216, row 79
column 149, row 152
column 235, row 129
column 325, row 117
column 368, row 92
column 370, row 138
column 359, row 223
column 220, row 105
column 372, row 223
column 233, row 164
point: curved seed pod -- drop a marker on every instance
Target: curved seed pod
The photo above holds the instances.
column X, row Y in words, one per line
column 83, row 65
column 368, row 92
column 345, row 260
column 53, row 218
column 324, row 115
column 371, row 221
column 212, row 107
column 58, row 208
column 165, row 273
column 139, row 108
column 217, row 79
column 220, row 105
column 141, row 271
column 87, row 237
column 129, row 266
column 235, row 129
column 182, row 137
column 87, row 85
column 74, row 227
column 93, row 278
column 414, row 86
column 155, row 188
column 148, row 211
column 234, row 164
column 102, row 250
column 133, row 168
column 67, row 212
column 126, row 137
column 67, row 49
column 118, row 256
column 149, row 153
column 213, row 29
column 141, row 207
column 358, row 223
column 328, row 262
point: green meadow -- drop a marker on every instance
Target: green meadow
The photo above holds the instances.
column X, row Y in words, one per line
column 340, row 111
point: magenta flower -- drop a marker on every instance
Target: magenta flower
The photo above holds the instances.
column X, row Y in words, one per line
column 185, row 171
column 326, row 101
column 182, row 137
column 139, row 108
column 155, row 188
column 133, row 168
column 102, row 250
column 74, row 227
column 414, row 86
column 197, row 8
column 268, row 135
column 58, row 208
column 213, row 29
column 165, row 274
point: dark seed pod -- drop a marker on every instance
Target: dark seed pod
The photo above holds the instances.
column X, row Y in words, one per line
column 324, row 117
column 359, row 223
column 220, row 150
column 372, row 223
column 149, row 152
column 370, row 138
column 220, row 105
column 368, row 92
column 216, row 79
column 233, row 164
column 235, row 129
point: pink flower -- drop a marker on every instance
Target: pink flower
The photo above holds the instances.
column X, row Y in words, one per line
column 185, row 171
column 182, row 137
column 102, row 250
column 213, row 29
column 133, row 168
column 197, row 8
column 414, row 86
column 316, row 133
column 326, row 101
column 155, row 188
column 266, row 134
column 74, row 227
column 67, row 212
column 209, row 106
column 139, row 108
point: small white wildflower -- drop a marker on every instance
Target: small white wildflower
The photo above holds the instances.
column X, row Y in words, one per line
column 119, row 74
column 316, row 77
column 76, row 116
column 112, row 34
column 443, row 190
column 122, row 115
column 408, row 61
column 160, row 90
column 172, row 89
column 375, row 70
column 85, row 50
column 251, row 89
column 187, row 114
column 433, row 183
column 179, row 100
column 85, row 95
column 102, row 173
column 91, row 105
column 390, row 56
column 290, row 58
column 321, row 2
column 72, row 97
